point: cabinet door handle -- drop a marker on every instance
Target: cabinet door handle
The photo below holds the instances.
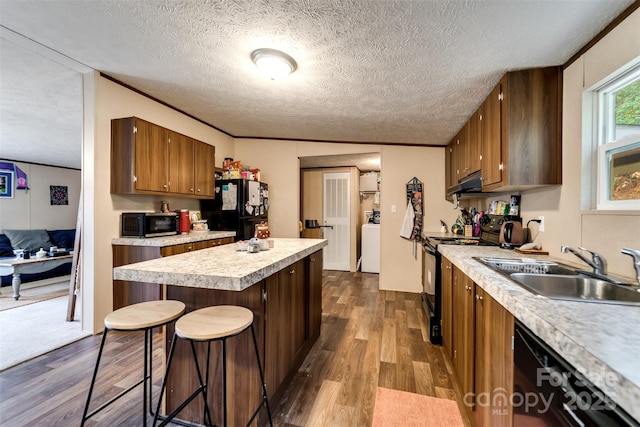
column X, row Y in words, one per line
column 478, row 297
column 191, row 189
column 198, row 190
column 312, row 259
column 164, row 186
column 292, row 271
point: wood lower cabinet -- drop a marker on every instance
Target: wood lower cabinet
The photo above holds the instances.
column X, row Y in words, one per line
column 446, row 322
column 127, row 293
column 494, row 362
column 314, row 273
column 284, row 305
column 463, row 330
column 286, row 324
column 481, row 349
column 149, row 159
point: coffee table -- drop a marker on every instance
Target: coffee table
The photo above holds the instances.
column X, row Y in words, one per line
column 17, row 266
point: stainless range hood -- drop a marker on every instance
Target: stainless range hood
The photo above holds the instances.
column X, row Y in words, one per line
column 468, row 186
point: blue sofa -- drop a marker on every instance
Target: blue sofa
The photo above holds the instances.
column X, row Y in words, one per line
column 59, row 238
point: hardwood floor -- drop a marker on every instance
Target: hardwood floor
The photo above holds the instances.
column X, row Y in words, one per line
column 369, row 338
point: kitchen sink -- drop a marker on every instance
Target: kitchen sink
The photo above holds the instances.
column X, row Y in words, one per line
column 508, row 266
column 559, row 281
column 577, row 288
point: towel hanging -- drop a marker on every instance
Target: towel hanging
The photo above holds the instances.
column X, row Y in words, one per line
column 407, row 224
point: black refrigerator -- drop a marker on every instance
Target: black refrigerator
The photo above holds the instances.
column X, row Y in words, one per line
column 238, row 206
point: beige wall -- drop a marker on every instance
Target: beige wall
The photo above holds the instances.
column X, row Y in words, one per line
column 32, row 209
column 114, row 101
column 400, row 268
column 565, row 222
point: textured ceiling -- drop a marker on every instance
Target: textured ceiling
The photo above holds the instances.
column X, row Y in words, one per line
column 408, row 71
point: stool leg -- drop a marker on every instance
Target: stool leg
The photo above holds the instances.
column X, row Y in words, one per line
column 224, row 382
column 164, row 380
column 265, row 399
column 204, row 385
column 93, row 379
column 145, row 376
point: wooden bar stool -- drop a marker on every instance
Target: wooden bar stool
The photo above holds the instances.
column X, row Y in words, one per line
column 136, row 317
column 209, row 324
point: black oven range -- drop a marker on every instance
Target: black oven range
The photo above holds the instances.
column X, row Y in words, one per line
column 432, row 266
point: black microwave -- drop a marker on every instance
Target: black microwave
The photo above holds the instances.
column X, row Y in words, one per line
column 141, row 224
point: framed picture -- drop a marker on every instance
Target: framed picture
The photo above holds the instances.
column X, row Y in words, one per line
column 6, row 184
column 59, row 194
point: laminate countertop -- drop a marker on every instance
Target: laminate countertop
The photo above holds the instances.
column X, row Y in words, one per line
column 602, row 341
column 222, row 267
column 177, row 239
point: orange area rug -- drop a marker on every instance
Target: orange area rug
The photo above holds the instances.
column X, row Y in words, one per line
column 400, row 408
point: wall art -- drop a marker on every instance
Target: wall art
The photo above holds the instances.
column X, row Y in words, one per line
column 59, row 194
column 6, row 184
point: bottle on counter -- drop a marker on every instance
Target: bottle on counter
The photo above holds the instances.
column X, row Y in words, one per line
column 185, row 223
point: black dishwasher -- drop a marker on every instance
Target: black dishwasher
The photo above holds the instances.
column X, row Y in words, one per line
column 548, row 391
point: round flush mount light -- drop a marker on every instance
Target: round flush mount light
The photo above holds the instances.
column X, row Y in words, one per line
column 273, row 63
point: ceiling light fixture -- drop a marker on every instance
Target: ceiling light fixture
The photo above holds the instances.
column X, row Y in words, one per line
column 273, row 63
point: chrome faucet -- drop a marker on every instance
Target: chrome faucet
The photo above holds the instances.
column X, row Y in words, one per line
column 598, row 263
column 635, row 254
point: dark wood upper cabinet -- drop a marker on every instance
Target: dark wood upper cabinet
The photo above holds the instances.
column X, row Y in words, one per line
column 515, row 137
column 139, row 155
column 491, row 149
column 149, row 159
column 181, row 158
column 530, row 139
column 204, row 166
column 474, row 140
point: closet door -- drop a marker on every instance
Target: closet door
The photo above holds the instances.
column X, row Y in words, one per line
column 337, row 216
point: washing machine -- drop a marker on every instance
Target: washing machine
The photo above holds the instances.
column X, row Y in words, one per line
column 370, row 248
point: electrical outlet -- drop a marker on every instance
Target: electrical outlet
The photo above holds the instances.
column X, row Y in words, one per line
column 393, row 208
column 541, row 218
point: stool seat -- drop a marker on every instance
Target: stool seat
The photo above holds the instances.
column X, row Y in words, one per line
column 144, row 315
column 215, row 322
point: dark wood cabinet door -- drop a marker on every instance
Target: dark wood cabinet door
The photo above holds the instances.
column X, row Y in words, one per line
column 204, row 169
column 474, row 140
column 285, row 323
column 448, row 167
column 447, row 305
column 315, row 294
column 181, row 157
column 173, row 250
column 491, row 139
column 494, row 361
column 151, row 154
column 463, row 329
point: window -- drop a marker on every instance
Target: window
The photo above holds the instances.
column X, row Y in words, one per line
column 618, row 157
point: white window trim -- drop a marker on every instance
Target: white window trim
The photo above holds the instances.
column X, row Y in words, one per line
column 604, row 130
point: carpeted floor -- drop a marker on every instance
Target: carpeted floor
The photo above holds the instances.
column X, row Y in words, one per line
column 36, row 328
column 32, row 295
column 400, row 408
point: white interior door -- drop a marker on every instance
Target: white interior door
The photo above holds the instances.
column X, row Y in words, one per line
column 337, row 214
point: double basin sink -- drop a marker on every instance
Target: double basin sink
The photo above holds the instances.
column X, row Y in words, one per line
column 558, row 281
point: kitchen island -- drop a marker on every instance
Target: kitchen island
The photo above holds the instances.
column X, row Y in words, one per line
column 602, row 341
column 283, row 288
